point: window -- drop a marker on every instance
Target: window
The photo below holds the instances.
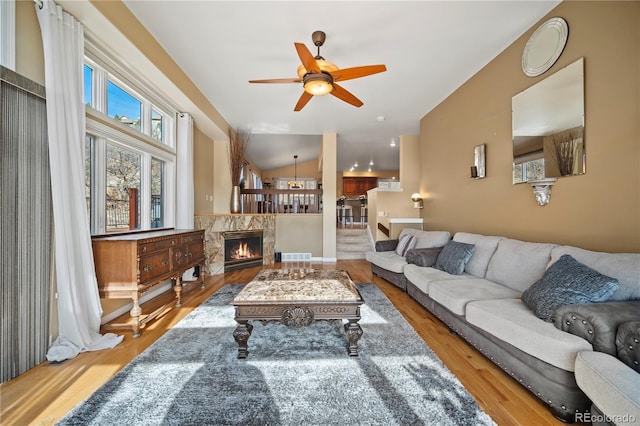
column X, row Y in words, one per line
column 130, row 174
column 123, row 189
column 88, row 78
column 157, row 124
column 87, row 173
column 157, row 184
column 123, row 107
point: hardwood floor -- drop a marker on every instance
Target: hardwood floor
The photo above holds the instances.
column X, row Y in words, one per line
column 47, row 392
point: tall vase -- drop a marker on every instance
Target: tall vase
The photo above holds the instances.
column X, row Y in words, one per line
column 236, row 207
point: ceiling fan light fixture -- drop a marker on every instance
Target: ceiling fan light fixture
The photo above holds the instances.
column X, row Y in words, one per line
column 323, row 64
column 318, row 84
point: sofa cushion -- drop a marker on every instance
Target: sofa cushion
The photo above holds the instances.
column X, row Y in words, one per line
column 423, row 256
column 422, row 277
column 428, row 239
column 454, row 256
column 518, row 264
column 610, row 385
column 625, row 267
column 485, row 247
column 405, row 243
column 388, row 260
column 511, row 321
column 567, row 282
column 455, row 294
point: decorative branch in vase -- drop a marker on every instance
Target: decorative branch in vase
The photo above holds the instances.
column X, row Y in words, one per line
column 565, row 145
column 238, row 143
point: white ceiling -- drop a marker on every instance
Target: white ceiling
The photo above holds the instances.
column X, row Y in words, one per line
column 429, row 47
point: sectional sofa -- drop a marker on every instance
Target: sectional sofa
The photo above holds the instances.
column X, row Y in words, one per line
column 498, row 298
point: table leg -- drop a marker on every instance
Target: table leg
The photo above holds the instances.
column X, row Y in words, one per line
column 353, row 332
column 177, row 288
column 242, row 334
column 135, row 313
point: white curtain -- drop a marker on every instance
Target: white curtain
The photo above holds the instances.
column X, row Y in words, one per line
column 184, row 187
column 79, row 309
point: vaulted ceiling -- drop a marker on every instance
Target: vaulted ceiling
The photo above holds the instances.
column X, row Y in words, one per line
column 429, row 48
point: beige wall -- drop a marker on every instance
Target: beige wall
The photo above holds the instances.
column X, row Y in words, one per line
column 221, row 177
column 599, row 210
column 29, row 51
column 329, row 164
column 307, row 169
column 203, row 176
column 383, row 204
column 299, row 233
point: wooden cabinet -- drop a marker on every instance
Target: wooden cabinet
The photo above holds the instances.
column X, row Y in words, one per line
column 129, row 265
column 358, row 185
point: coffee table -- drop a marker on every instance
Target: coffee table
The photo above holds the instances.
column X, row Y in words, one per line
column 298, row 298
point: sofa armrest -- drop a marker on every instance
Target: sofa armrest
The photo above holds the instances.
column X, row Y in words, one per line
column 423, row 256
column 386, row 245
column 597, row 322
column 628, row 343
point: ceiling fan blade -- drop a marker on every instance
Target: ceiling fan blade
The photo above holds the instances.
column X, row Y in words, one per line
column 307, row 58
column 277, row 80
column 306, row 97
column 341, row 93
column 357, row 72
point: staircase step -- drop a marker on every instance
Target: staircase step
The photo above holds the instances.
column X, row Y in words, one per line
column 352, row 243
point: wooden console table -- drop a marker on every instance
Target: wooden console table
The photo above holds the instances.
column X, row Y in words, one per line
column 129, row 265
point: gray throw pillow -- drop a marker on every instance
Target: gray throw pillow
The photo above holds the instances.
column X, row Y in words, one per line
column 423, row 256
column 567, row 282
column 454, row 257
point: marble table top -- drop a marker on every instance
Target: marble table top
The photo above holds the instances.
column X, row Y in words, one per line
column 298, row 285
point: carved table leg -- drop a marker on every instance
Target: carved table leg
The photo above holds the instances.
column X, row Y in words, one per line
column 177, row 287
column 202, row 276
column 353, row 332
column 135, row 313
column 241, row 334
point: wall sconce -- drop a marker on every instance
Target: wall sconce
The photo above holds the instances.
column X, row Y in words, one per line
column 417, row 200
column 542, row 189
column 478, row 170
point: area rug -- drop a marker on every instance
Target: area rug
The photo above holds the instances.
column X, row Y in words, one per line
column 292, row 376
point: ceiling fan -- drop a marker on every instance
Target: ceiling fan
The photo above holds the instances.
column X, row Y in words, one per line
column 319, row 76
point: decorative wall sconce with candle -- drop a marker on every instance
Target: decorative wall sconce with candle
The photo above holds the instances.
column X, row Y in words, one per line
column 417, row 200
column 478, row 170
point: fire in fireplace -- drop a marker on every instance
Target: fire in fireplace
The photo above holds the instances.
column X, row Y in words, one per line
column 242, row 249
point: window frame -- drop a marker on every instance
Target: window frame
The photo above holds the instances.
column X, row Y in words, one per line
column 103, row 129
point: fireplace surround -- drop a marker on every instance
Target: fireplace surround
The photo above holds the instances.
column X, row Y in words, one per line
column 242, row 249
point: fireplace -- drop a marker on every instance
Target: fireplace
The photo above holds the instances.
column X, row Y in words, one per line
column 242, row 249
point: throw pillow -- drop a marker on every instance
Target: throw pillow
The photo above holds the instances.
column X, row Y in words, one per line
column 454, row 257
column 423, row 256
column 567, row 282
column 405, row 243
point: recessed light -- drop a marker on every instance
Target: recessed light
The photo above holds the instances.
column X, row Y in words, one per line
column 393, row 142
column 380, row 118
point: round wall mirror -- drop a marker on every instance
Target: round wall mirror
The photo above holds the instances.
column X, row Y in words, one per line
column 545, row 46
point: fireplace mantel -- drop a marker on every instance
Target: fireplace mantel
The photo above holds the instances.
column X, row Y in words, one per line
column 215, row 224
